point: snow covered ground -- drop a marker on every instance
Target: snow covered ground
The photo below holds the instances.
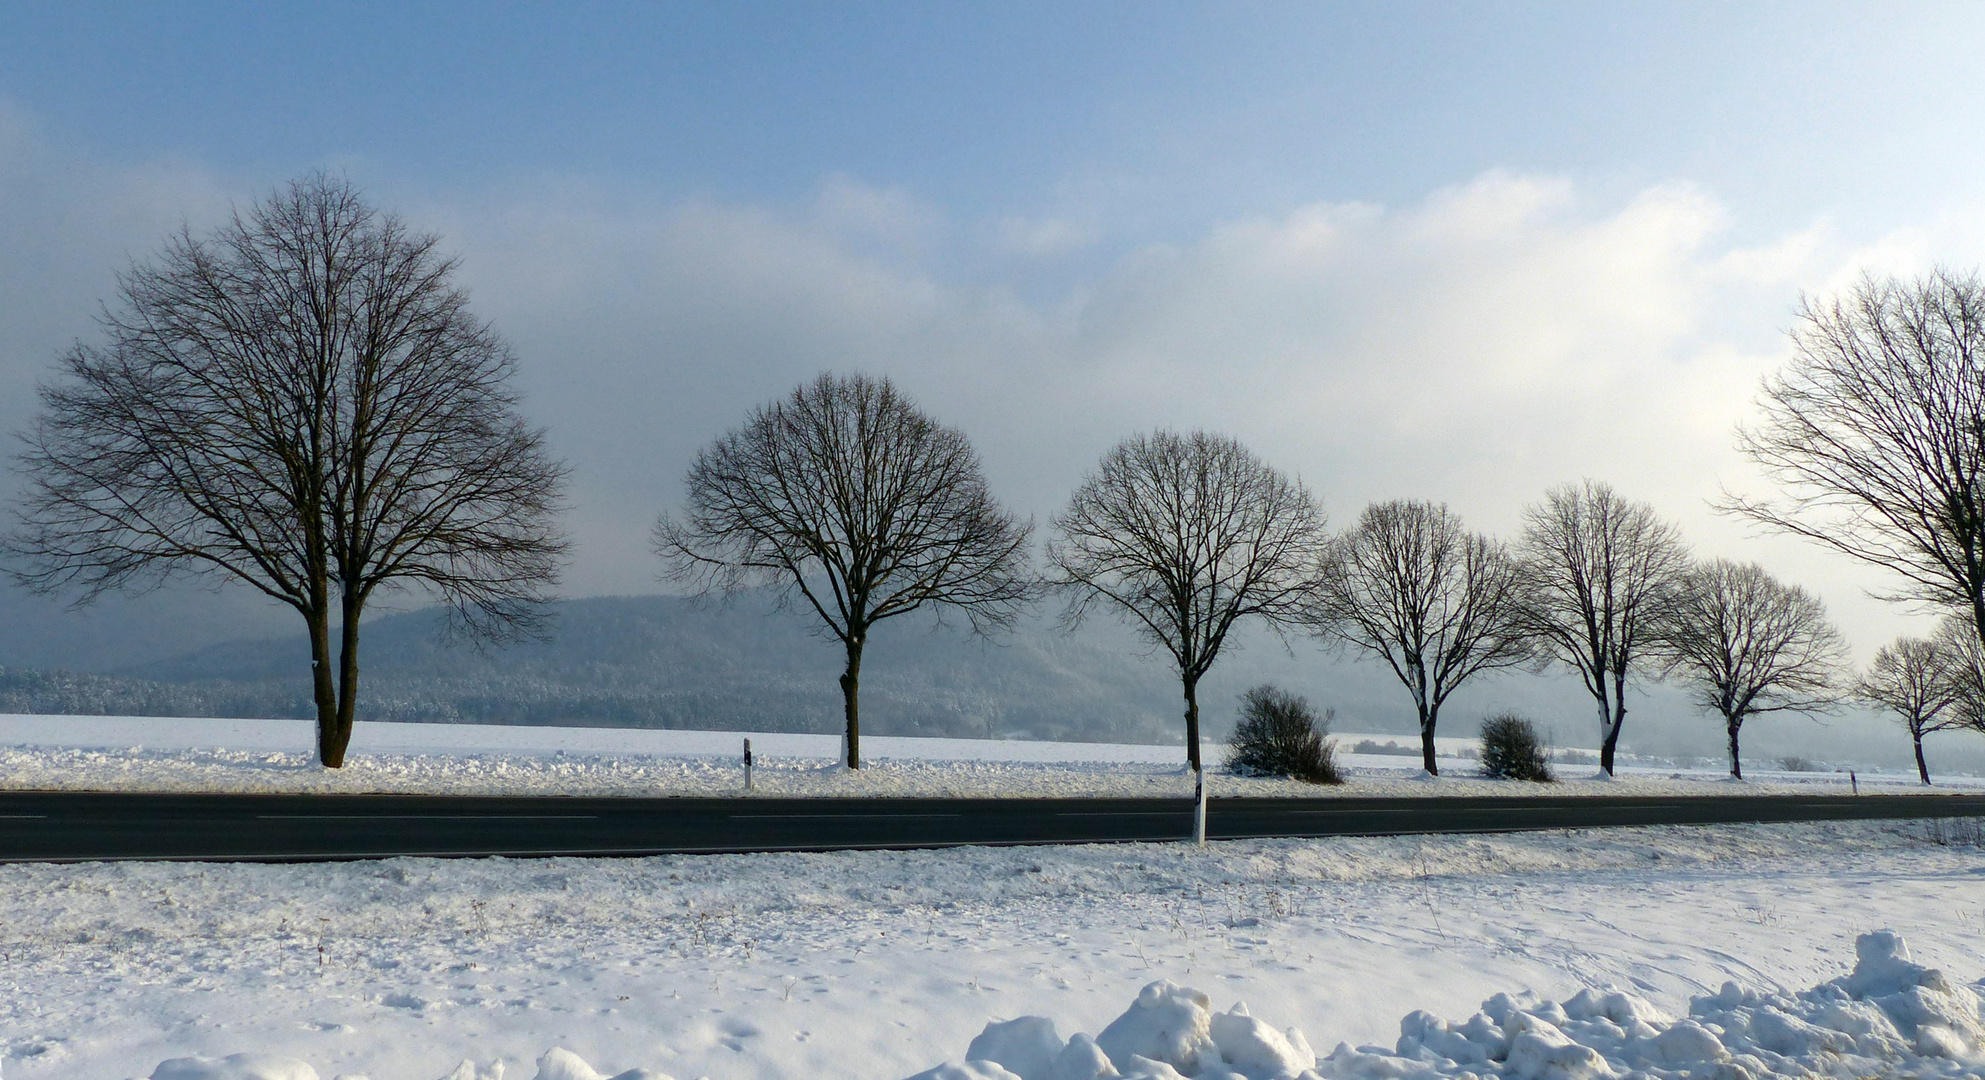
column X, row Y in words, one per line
column 881, row 965
column 162, row 754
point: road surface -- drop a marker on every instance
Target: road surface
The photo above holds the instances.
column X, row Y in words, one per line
column 70, row 826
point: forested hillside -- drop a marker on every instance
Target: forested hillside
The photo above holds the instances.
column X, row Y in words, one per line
column 659, row 661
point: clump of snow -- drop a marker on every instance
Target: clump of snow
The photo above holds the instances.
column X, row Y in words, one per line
column 1889, row 1017
column 234, row 1067
column 1027, row 1047
column 559, row 1063
column 1167, row 1023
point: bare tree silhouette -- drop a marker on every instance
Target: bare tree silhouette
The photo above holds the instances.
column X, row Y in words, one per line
column 1437, row 603
column 1928, row 684
column 303, row 402
column 1748, row 644
column 847, row 496
column 1597, row 572
column 1185, row 535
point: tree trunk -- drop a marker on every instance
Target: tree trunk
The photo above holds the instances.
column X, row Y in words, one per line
column 330, row 749
column 1192, row 723
column 1736, row 764
column 347, row 675
column 1922, row 767
column 1613, row 724
column 851, row 701
column 1427, row 717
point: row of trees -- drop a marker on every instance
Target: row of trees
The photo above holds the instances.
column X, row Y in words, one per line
column 302, row 402
column 864, row 508
column 1876, row 431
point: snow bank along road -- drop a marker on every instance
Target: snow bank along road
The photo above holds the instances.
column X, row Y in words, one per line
column 110, row 825
column 878, row 965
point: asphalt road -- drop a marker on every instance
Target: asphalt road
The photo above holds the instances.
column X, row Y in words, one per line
column 74, row 826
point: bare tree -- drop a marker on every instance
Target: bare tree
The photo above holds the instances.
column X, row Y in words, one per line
column 1876, row 431
column 1748, row 644
column 1597, row 570
column 1186, row 535
column 1437, row 603
column 849, row 497
column 1922, row 681
column 303, row 402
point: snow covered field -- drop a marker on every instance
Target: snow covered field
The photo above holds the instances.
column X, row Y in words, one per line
column 883, row 964
column 158, row 754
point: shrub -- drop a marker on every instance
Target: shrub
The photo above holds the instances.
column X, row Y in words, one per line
column 1797, row 764
column 1511, row 751
column 1367, row 746
column 1278, row 735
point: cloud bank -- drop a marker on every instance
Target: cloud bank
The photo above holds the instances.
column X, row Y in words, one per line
column 1496, row 336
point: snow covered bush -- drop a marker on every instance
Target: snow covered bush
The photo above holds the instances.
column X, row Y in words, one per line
column 1278, row 735
column 1511, row 750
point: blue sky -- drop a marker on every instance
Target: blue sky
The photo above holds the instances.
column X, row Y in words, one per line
column 1445, row 251
column 1169, row 114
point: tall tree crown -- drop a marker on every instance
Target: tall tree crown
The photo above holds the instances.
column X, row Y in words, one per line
column 1875, row 431
column 1749, row 643
column 302, row 402
column 847, row 493
column 303, row 393
column 1187, row 534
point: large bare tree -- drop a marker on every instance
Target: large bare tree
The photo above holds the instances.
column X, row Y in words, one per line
column 1748, row 644
column 1437, row 603
column 1927, row 683
column 1597, row 571
column 301, row 401
column 849, row 497
column 1186, row 535
column 1876, row 432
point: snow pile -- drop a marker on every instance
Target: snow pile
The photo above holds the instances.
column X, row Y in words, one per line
column 1891, row 1017
column 234, row 1067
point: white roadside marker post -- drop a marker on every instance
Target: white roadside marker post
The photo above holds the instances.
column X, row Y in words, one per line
column 1199, row 807
column 747, row 764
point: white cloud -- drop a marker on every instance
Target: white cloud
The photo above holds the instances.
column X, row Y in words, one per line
column 1044, row 237
column 1496, row 337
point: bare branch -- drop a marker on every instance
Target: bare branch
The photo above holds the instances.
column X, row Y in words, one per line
column 1876, row 432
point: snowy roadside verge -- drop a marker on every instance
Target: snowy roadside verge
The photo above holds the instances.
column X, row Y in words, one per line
column 877, row 964
column 1888, row 1017
column 166, row 755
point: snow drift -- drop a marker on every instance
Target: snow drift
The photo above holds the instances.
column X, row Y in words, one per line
column 1890, row 1018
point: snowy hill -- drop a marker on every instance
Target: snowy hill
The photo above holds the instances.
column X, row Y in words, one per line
column 673, row 662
